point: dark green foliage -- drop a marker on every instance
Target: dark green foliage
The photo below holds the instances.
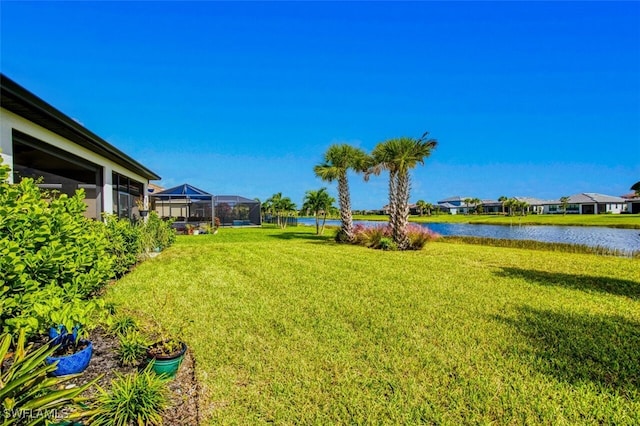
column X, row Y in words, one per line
column 137, row 398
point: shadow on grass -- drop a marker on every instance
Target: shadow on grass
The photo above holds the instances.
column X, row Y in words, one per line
column 613, row 286
column 293, row 235
column 576, row 348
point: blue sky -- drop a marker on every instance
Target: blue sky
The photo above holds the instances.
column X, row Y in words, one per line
column 536, row 99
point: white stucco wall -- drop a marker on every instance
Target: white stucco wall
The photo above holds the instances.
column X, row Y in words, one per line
column 9, row 121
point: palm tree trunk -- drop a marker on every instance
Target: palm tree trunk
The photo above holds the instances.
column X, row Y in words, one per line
column 317, row 214
column 402, row 211
column 324, row 219
column 393, row 203
column 344, row 198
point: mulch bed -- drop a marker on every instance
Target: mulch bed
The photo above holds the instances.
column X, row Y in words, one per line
column 184, row 388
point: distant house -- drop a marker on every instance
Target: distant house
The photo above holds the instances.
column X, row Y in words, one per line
column 633, row 203
column 454, row 205
column 593, row 203
column 39, row 141
column 538, row 206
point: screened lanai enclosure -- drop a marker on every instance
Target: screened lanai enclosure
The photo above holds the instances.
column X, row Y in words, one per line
column 188, row 205
column 234, row 210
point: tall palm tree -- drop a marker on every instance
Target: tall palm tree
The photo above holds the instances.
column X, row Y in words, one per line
column 502, row 200
column 399, row 156
column 422, row 206
column 338, row 160
column 319, row 202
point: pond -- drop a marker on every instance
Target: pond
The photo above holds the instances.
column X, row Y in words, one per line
column 627, row 240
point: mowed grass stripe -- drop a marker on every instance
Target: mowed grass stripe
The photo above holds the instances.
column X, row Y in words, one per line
column 293, row 328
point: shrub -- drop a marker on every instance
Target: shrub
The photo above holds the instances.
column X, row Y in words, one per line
column 419, row 236
column 387, row 243
column 371, row 236
column 124, row 242
column 137, row 398
column 379, row 237
column 123, row 324
column 132, row 348
column 53, row 306
column 47, row 242
column 157, row 233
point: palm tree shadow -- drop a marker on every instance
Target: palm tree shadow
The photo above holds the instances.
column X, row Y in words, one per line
column 615, row 286
column 301, row 236
column 578, row 348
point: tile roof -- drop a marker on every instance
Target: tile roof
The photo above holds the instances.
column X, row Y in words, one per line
column 592, row 197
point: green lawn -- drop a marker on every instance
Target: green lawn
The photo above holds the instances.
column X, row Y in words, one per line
column 611, row 220
column 294, row 329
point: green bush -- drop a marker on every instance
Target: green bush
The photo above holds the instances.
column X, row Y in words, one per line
column 125, row 242
column 53, row 306
column 156, row 233
column 47, row 242
column 137, row 398
column 132, row 348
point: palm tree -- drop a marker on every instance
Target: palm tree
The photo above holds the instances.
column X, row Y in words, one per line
column 636, row 187
column 318, row 202
column 476, row 203
column 398, row 156
column 421, row 206
column 428, row 207
column 338, row 160
column 564, row 202
column 467, row 202
column 281, row 207
column 502, row 200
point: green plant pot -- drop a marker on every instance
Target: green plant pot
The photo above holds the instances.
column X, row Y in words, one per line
column 167, row 366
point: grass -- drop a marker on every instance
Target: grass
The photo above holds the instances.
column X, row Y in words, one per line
column 610, row 220
column 294, row 329
column 541, row 245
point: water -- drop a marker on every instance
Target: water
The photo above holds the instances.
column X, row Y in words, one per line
column 614, row 238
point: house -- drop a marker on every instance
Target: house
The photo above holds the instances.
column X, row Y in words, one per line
column 593, row 203
column 454, row 205
column 538, row 206
column 633, row 202
column 37, row 140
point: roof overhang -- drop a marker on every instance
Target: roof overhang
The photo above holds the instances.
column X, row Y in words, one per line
column 20, row 101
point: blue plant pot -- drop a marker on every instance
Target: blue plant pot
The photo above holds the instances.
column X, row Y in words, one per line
column 74, row 363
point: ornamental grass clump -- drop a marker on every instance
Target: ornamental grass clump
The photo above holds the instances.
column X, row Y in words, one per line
column 137, row 398
column 380, row 237
column 419, row 236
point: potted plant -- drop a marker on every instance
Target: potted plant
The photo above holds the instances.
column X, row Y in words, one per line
column 72, row 354
column 141, row 209
column 165, row 356
column 74, row 350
